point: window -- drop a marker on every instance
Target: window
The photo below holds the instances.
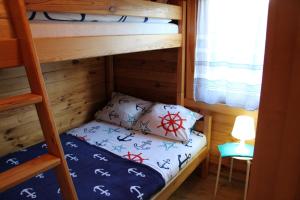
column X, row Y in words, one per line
column 230, row 52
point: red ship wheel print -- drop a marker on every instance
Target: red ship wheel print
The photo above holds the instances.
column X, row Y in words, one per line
column 83, row 138
column 171, row 123
column 135, row 157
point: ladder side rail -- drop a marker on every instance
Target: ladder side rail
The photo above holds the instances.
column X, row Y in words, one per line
column 36, row 81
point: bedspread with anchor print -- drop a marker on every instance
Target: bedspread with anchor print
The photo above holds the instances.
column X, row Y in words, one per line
column 96, row 172
column 164, row 155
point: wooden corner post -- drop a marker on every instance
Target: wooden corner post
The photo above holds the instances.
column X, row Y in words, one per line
column 109, row 76
column 191, row 35
column 207, row 131
column 181, row 57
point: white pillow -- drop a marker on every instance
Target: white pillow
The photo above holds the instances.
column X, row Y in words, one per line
column 170, row 121
column 123, row 110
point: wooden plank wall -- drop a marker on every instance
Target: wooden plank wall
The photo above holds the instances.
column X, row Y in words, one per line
column 76, row 89
column 149, row 75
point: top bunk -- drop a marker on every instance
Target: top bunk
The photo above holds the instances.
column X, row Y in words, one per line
column 90, row 28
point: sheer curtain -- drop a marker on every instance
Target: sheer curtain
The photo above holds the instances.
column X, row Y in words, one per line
column 230, row 51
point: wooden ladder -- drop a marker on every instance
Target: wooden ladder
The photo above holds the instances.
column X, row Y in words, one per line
column 38, row 96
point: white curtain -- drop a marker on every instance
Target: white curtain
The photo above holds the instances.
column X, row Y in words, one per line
column 230, row 52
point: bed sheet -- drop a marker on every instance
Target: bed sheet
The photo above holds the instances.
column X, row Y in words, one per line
column 166, row 156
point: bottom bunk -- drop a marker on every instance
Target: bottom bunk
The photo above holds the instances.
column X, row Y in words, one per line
column 95, row 154
column 134, row 149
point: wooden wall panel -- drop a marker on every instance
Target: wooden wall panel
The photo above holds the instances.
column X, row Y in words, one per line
column 76, row 89
column 149, row 75
column 276, row 166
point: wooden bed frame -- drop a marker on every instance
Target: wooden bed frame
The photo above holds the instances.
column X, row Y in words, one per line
column 17, row 47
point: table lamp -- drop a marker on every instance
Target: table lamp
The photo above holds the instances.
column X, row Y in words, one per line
column 243, row 129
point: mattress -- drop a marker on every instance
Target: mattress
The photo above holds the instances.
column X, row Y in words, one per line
column 167, row 157
column 44, row 29
column 76, row 17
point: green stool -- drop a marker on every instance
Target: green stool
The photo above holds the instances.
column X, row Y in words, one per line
column 232, row 150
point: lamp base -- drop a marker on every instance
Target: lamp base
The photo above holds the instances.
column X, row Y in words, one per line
column 241, row 148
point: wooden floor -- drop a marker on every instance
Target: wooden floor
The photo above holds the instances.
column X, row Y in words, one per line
column 202, row 189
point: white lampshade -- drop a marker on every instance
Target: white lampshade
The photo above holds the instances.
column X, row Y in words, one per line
column 243, row 128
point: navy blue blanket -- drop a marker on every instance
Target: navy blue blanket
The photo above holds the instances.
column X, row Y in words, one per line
column 97, row 174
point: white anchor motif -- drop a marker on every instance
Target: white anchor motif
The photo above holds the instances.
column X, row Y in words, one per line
column 101, row 189
column 40, row 176
column 29, row 193
column 136, row 189
column 71, row 157
column 102, row 172
column 58, row 191
column 71, row 144
column 44, row 146
column 72, row 174
column 100, row 157
column 12, row 161
column 134, row 170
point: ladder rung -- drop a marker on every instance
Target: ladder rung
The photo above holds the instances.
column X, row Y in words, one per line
column 19, row 101
column 23, row 172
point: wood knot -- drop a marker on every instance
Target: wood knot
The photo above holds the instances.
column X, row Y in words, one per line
column 75, row 62
column 9, row 131
column 157, row 84
column 112, row 9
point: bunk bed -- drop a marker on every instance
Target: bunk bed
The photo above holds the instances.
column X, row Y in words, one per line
column 51, row 49
column 24, row 45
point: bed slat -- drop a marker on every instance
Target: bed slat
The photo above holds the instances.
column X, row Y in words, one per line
column 58, row 49
column 108, row 7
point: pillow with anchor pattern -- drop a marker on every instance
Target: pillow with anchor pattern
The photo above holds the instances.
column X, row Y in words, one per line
column 170, row 121
column 123, row 110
